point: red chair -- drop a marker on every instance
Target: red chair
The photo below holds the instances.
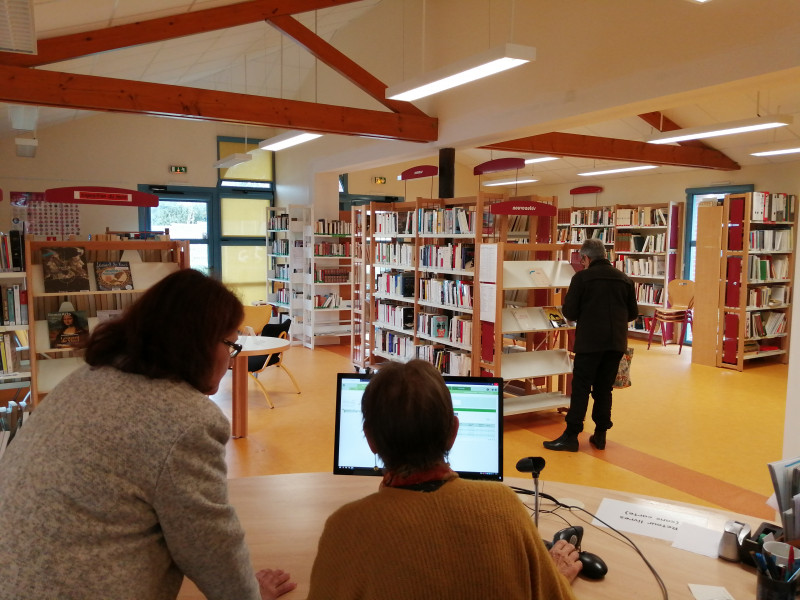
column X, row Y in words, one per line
column 680, row 294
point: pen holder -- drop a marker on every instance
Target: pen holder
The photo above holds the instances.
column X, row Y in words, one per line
column 753, row 543
column 774, row 589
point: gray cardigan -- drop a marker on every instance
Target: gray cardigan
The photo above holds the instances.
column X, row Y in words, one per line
column 116, row 488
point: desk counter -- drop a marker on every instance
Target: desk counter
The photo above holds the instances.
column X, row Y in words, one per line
column 283, row 516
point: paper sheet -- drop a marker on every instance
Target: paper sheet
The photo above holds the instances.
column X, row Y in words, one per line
column 644, row 519
column 488, row 268
column 488, row 299
column 700, row 540
column 709, row 592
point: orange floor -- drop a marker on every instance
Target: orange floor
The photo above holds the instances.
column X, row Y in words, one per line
column 682, row 431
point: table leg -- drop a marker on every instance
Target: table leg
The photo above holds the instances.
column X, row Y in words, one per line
column 239, row 397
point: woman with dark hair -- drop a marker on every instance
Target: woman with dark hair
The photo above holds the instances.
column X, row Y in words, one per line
column 427, row 533
column 116, row 485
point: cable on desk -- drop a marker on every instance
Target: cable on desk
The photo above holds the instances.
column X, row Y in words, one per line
column 629, row 541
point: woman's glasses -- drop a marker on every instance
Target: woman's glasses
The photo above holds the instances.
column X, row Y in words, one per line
column 234, row 348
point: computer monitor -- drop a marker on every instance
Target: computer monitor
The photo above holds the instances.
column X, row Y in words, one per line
column 477, row 452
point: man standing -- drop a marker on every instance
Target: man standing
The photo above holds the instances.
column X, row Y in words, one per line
column 602, row 300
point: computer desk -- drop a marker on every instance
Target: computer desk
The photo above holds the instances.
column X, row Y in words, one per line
column 283, row 516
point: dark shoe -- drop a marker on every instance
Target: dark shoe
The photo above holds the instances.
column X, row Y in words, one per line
column 598, row 440
column 567, row 442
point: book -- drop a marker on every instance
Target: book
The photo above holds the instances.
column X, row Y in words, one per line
column 111, row 276
column 110, row 314
column 68, row 329
column 64, row 269
column 554, row 315
column 539, row 278
column 440, row 326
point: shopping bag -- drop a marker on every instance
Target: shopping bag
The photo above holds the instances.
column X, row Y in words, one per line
column 623, row 379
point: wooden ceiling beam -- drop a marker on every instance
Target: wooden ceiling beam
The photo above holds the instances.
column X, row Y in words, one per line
column 65, row 47
column 585, row 146
column 49, row 88
column 340, row 63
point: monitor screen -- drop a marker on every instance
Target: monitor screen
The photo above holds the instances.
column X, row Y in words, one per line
column 477, row 452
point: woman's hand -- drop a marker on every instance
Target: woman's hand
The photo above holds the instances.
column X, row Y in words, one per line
column 565, row 555
column 274, row 583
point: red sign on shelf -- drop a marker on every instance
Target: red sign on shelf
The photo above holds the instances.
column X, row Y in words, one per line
column 100, row 195
column 523, row 207
column 499, row 164
column 418, row 172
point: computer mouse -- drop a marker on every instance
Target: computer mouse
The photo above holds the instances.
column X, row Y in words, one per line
column 593, row 565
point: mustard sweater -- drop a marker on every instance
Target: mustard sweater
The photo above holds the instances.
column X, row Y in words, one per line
column 468, row 539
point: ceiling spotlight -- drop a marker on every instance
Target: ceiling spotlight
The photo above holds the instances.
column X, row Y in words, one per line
column 743, row 126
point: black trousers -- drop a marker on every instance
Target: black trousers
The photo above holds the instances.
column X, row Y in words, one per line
column 592, row 372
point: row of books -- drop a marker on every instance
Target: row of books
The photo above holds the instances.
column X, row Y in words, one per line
column 649, row 293
column 12, row 251
column 604, row 234
column 767, row 207
column 447, row 292
column 389, row 342
column 634, row 242
column 279, row 246
column 335, row 227
column 278, row 223
column 12, row 417
column 771, row 240
column 643, row 216
column 592, row 216
column 652, row 266
column 14, row 300
column 765, row 323
column 458, row 257
column 331, row 300
column 332, row 275
column 433, row 325
column 393, row 223
column 767, row 268
column 451, row 220
column 341, row 249
column 768, row 295
column 395, row 284
column 9, row 354
column 396, row 315
column 448, row 362
column 395, row 253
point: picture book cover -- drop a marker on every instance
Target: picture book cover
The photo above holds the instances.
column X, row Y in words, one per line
column 111, row 276
column 68, row 329
column 553, row 314
column 64, row 269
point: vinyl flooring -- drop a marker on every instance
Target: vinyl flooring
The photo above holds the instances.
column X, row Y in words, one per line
column 682, row 431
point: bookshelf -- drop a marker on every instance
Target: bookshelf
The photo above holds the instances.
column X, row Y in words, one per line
column 284, row 276
column 150, row 261
column 756, row 278
column 15, row 370
column 647, row 248
column 360, row 288
column 518, row 342
column 327, row 276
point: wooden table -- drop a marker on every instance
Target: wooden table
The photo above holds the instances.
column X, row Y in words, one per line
column 283, row 516
column 252, row 345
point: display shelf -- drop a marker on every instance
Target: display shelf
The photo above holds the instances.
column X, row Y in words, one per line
column 150, row 261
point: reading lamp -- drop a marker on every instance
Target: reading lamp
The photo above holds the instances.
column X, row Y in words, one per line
column 495, row 60
column 694, row 133
column 287, row 140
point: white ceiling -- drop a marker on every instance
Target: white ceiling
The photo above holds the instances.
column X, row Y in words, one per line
column 254, row 59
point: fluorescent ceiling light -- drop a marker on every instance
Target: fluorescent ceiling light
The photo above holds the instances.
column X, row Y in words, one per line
column 776, row 151
column 26, row 147
column 260, row 185
column 494, row 60
column 232, row 160
column 694, row 133
column 287, row 140
column 530, row 161
column 622, row 170
column 492, row 182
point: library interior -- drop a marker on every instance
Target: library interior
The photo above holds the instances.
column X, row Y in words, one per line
column 138, row 140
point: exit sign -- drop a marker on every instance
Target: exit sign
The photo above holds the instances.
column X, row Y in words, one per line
column 178, row 169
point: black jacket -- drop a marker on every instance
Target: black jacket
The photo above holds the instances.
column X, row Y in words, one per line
column 602, row 300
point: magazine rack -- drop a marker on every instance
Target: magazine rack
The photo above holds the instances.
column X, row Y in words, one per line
column 49, row 365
